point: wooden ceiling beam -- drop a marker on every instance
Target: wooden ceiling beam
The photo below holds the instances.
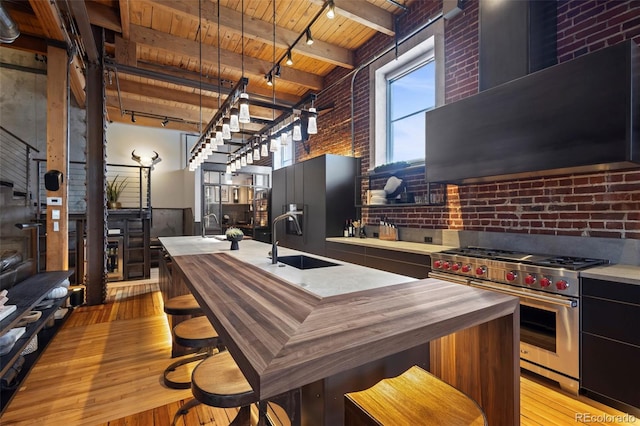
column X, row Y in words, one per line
column 125, row 20
column 84, row 26
column 30, row 44
column 259, row 30
column 364, row 13
column 253, row 66
column 103, row 16
column 47, row 14
column 163, row 94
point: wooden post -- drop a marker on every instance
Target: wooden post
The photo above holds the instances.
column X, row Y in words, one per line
column 57, row 157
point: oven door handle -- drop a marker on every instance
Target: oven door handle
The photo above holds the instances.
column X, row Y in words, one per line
column 570, row 303
column 451, row 278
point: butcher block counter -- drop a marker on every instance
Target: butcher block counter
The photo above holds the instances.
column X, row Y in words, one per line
column 327, row 331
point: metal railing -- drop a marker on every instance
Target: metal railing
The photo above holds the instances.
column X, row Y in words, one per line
column 15, row 154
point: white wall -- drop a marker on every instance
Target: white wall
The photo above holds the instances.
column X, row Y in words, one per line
column 172, row 185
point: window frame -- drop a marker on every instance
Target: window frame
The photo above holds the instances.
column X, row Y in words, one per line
column 429, row 41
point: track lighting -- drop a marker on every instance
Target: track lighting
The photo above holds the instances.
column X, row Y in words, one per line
column 133, row 117
column 289, row 59
column 276, row 71
column 165, row 122
column 331, row 11
column 309, row 38
column 269, row 79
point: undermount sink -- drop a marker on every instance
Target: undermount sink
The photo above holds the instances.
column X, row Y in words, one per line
column 301, row 261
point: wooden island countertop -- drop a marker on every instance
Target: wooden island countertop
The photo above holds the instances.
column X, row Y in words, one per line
column 286, row 336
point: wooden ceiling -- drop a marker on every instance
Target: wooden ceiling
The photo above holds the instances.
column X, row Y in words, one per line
column 160, row 65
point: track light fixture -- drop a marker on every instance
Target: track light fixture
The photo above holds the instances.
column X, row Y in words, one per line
column 165, row 122
column 269, row 79
column 276, row 71
column 289, row 59
column 133, row 117
column 331, row 10
column 309, row 37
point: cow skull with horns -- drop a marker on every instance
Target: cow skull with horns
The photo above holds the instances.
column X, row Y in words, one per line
column 145, row 161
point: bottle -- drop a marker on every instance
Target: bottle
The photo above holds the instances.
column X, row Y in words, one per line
column 352, row 231
column 345, row 231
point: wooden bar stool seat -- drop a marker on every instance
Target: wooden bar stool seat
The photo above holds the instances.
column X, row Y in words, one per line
column 182, row 305
column 197, row 333
column 218, row 382
column 416, row 397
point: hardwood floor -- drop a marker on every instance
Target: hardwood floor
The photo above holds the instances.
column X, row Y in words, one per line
column 105, row 367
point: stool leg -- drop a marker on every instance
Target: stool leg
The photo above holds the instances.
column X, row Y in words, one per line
column 184, row 410
column 173, row 366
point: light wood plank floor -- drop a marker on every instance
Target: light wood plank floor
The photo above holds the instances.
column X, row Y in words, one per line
column 105, row 367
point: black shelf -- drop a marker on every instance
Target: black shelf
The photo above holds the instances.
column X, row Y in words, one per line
column 432, row 189
column 26, row 296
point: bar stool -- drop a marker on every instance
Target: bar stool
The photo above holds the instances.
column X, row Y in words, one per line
column 182, row 305
column 414, row 397
column 218, row 382
column 197, row 333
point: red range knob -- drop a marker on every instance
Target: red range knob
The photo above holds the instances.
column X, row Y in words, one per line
column 545, row 282
column 530, row 279
column 437, row 264
column 562, row 285
column 511, row 276
column 446, row 265
column 455, row 266
column 466, row 268
column 480, row 270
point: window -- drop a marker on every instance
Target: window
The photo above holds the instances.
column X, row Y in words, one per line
column 406, row 84
column 284, row 156
column 409, row 95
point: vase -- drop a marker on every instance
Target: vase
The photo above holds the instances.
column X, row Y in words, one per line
column 234, row 243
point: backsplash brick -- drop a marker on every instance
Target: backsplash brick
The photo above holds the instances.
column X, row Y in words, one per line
column 603, row 204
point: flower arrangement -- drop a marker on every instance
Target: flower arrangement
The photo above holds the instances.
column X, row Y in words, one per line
column 114, row 189
column 234, row 235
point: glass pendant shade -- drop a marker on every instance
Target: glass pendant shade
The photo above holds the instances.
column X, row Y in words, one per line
column 312, row 127
column 264, row 151
column 297, row 132
column 234, row 124
column 219, row 138
column 275, row 144
column 228, row 168
column 250, row 156
column 226, row 129
column 244, row 116
column 256, row 152
column 233, row 166
column 285, row 138
column 238, row 165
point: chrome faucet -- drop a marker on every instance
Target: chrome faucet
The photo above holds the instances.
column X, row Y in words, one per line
column 274, row 242
column 204, row 228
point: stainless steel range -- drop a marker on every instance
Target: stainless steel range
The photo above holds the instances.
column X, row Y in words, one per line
column 548, row 288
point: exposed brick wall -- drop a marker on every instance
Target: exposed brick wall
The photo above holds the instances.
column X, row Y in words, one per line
column 603, row 204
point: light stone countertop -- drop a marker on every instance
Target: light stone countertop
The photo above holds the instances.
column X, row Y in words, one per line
column 403, row 246
column 324, row 282
column 627, row 274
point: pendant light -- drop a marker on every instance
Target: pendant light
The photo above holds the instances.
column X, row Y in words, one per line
column 256, row 152
column 275, row 143
column 250, row 155
column 297, row 131
column 219, row 139
column 243, row 160
column 233, row 166
column 237, row 161
column 226, row 129
column 234, row 120
column 244, row 115
column 228, row 170
column 312, row 126
column 264, row 150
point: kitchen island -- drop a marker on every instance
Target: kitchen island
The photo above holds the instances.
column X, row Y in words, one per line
column 341, row 328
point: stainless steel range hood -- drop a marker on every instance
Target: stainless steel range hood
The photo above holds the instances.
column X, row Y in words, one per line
column 578, row 116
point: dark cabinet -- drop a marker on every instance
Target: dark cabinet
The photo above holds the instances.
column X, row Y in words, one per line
column 130, row 233
column 610, row 343
column 323, row 187
column 399, row 262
